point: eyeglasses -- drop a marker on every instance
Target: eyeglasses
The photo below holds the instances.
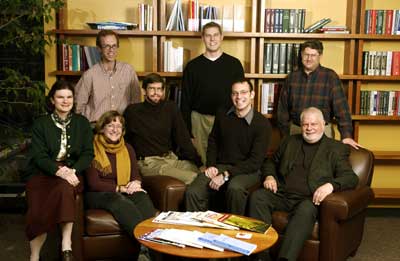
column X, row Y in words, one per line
column 155, row 89
column 234, row 94
column 109, row 47
column 114, row 126
column 310, row 55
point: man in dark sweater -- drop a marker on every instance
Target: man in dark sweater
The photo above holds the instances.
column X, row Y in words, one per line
column 237, row 147
column 206, row 86
column 304, row 170
column 157, row 132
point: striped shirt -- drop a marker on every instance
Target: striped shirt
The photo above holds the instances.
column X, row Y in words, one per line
column 322, row 89
column 98, row 91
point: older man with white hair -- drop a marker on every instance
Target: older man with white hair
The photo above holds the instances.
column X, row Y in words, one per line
column 305, row 169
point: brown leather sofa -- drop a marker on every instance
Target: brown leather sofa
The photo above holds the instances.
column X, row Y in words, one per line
column 338, row 233
column 97, row 236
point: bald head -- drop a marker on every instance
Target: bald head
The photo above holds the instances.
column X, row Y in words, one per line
column 312, row 124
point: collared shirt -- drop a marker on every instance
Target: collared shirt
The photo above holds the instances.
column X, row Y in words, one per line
column 99, row 91
column 323, row 89
column 248, row 117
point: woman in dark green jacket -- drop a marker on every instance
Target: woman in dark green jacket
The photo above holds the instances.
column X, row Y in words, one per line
column 61, row 150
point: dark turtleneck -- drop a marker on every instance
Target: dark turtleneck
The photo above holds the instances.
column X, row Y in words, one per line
column 156, row 129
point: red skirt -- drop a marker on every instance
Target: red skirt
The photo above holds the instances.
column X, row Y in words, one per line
column 51, row 200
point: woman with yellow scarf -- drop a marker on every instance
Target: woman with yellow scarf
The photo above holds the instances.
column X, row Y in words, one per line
column 113, row 179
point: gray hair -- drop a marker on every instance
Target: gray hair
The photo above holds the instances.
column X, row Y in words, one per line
column 312, row 110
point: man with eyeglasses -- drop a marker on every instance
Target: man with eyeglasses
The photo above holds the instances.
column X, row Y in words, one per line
column 206, row 86
column 109, row 84
column 237, row 147
column 155, row 128
column 317, row 86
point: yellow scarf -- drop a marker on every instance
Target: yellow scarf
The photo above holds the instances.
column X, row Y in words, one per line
column 102, row 163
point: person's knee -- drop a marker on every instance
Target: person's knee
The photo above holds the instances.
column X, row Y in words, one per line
column 307, row 209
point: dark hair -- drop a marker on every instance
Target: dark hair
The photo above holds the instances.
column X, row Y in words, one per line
column 152, row 78
column 210, row 25
column 244, row 80
column 108, row 117
column 104, row 33
column 58, row 85
column 313, row 44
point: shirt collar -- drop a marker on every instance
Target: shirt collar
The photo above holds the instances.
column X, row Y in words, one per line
column 248, row 118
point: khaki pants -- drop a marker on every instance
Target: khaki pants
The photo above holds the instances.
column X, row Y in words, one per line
column 169, row 165
column 201, row 128
column 329, row 132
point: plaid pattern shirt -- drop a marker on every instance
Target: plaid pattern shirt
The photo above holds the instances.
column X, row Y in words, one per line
column 321, row 89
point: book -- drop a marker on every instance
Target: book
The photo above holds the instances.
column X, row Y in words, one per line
column 112, row 25
column 181, row 218
column 317, row 25
column 246, row 223
column 214, row 218
column 229, row 243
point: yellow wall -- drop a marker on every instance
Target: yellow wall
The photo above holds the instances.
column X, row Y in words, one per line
column 136, row 51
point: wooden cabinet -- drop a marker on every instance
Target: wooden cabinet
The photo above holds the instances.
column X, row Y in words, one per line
column 343, row 53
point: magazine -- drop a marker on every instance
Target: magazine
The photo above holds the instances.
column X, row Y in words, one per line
column 214, row 218
column 245, row 223
column 181, row 218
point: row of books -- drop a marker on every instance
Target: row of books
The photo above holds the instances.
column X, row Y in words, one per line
column 75, row 57
column 269, row 96
column 183, row 238
column 284, row 20
column 145, row 17
column 382, row 22
column 385, row 63
column 211, row 219
column 281, row 58
column 112, row 25
column 230, row 17
column 380, row 103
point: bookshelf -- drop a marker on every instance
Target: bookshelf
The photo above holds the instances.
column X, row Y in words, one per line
column 343, row 53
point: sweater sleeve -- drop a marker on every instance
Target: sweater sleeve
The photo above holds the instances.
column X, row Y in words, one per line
column 186, row 99
column 86, row 152
column 135, row 175
column 96, row 183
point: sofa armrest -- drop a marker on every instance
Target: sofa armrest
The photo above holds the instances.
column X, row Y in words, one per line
column 166, row 192
column 346, row 204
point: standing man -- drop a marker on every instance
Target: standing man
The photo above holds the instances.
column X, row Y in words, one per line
column 236, row 150
column 109, row 84
column 318, row 86
column 304, row 170
column 155, row 128
column 206, row 86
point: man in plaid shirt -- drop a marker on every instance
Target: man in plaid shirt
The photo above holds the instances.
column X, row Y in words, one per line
column 317, row 86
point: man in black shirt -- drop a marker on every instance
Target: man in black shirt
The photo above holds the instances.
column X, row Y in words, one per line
column 157, row 132
column 206, row 86
column 237, row 146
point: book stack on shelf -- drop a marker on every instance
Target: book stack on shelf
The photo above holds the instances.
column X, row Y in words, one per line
column 175, row 57
column 75, row 57
column 269, row 96
column 281, row 58
column 145, row 15
column 176, row 21
column 380, row 103
column 382, row 22
column 317, row 25
column 384, row 63
column 284, row 20
column 112, row 25
column 334, row 29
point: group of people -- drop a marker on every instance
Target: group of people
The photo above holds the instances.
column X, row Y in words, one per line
column 216, row 144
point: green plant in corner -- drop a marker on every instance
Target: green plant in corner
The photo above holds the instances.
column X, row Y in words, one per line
column 21, row 29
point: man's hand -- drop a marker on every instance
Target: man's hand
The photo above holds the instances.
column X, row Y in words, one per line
column 216, row 182
column 322, row 192
column 211, row 172
column 352, row 143
column 270, row 184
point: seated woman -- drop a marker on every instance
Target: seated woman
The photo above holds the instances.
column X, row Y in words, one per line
column 113, row 180
column 61, row 150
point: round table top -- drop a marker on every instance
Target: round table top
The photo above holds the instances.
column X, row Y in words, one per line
column 263, row 241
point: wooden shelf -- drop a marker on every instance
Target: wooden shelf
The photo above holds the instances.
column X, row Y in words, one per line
column 375, row 118
column 140, row 74
column 379, row 37
column 387, row 193
column 387, row 155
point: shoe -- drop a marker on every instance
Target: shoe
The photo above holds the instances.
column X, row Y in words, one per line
column 67, row 255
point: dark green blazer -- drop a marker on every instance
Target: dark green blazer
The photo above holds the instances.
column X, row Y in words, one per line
column 330, row 164
column 46, row 140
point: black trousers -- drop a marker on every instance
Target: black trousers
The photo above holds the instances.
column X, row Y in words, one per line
column 302, row 216
column 128, row 210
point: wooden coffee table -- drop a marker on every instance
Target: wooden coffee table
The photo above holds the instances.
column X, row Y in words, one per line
column 263, row 241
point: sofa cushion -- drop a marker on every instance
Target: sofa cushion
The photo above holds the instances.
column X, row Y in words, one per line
column 100, row 222
column 280, row 221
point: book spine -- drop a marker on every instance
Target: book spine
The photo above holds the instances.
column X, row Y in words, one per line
column 389, row 21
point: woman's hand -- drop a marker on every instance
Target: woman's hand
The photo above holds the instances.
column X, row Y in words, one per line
column 68, row 175
column 133, row 186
